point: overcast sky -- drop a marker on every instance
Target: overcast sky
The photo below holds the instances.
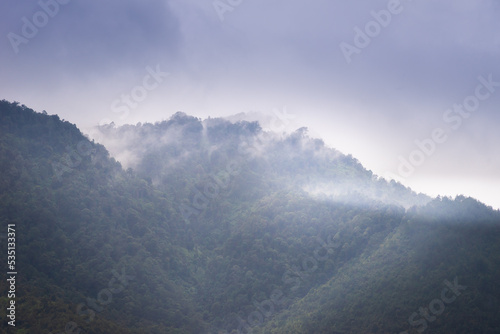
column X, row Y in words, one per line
column 369, row 77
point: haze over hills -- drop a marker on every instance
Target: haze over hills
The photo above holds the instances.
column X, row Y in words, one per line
column 340, row 68
column 218, row 226
column 295, row 159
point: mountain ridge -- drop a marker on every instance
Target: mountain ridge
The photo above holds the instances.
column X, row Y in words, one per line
column 256, row 237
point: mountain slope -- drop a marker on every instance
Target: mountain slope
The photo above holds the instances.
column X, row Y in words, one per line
column 81, row 220
column 384, row 291
column 220, row 227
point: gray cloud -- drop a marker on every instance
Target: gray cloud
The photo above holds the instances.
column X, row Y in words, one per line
column 270, row 54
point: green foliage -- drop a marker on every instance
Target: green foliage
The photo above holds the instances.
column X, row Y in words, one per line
column 213, row 220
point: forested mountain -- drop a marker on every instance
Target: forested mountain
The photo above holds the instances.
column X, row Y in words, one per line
column 211, row 226
column 187, row 146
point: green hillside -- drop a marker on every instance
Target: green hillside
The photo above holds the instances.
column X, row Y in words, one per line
column 208, row 226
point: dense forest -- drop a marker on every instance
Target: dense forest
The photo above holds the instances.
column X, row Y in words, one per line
column 212, row 226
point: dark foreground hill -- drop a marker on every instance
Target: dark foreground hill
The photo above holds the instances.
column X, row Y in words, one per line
column 220, row 227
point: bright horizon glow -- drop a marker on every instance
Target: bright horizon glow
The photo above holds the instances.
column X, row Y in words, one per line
column 479, row 189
